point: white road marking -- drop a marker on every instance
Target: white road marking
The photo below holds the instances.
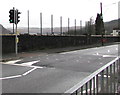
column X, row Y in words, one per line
column 13, row 62
column 69, row 52
column 26, row 73
column 101, row 63
column 38, row 67
column 105, row 55
column 108, row 50
column 47, row 58
column 97, row 53
column 109, row 56
column 26, row 65
column 30, row 63
column 105, row 76
column 10, row 77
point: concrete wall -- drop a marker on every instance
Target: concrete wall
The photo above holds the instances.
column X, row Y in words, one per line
column 33, row 42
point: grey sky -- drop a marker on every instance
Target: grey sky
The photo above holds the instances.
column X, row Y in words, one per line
column 74, row 9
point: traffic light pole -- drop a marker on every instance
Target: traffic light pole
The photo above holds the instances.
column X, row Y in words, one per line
column 14, row 19
column 16, row 38
column 16, row 42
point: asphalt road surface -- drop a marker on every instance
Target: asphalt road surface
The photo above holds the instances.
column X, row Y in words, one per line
column 56, row 72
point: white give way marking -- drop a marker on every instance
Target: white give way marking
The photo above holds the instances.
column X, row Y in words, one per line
column 13, row 62
column 30, row 63
column 16, row 76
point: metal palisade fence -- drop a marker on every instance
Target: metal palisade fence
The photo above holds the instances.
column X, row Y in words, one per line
column 103, row 81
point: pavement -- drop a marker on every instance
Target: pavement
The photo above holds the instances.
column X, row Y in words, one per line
column 13, row 56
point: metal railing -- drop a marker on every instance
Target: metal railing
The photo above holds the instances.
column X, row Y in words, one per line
column 104, row 80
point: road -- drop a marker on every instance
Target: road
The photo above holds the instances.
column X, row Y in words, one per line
column 56, row 72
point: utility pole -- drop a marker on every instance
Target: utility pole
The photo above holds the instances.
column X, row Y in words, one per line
column 52, row 25
column 81, row 26
column 75, row 26
column 119, row 15
column 68, row 26
column 28, row 21
column 101, row 8
column 41, row 24
column 61, row 25
column 102, row 30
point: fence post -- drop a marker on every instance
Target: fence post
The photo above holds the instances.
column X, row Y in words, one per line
column 102, row 81
column 86, row 88
column 82, row 90
column 110, row 78
column 118, row 76
column 107, row 80
column 97, row 84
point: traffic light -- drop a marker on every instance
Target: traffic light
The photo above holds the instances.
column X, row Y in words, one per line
column 17, row 14
column 11, row 20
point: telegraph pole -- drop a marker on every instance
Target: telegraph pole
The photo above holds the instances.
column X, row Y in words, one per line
column 61, row 25
column 81, row 26
column 41, row 23
column 52, row 33
column 28, row 21
column 68, row 26
column 102, row 30
column 119, row 15
column 75, row 26
column 101, row 8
